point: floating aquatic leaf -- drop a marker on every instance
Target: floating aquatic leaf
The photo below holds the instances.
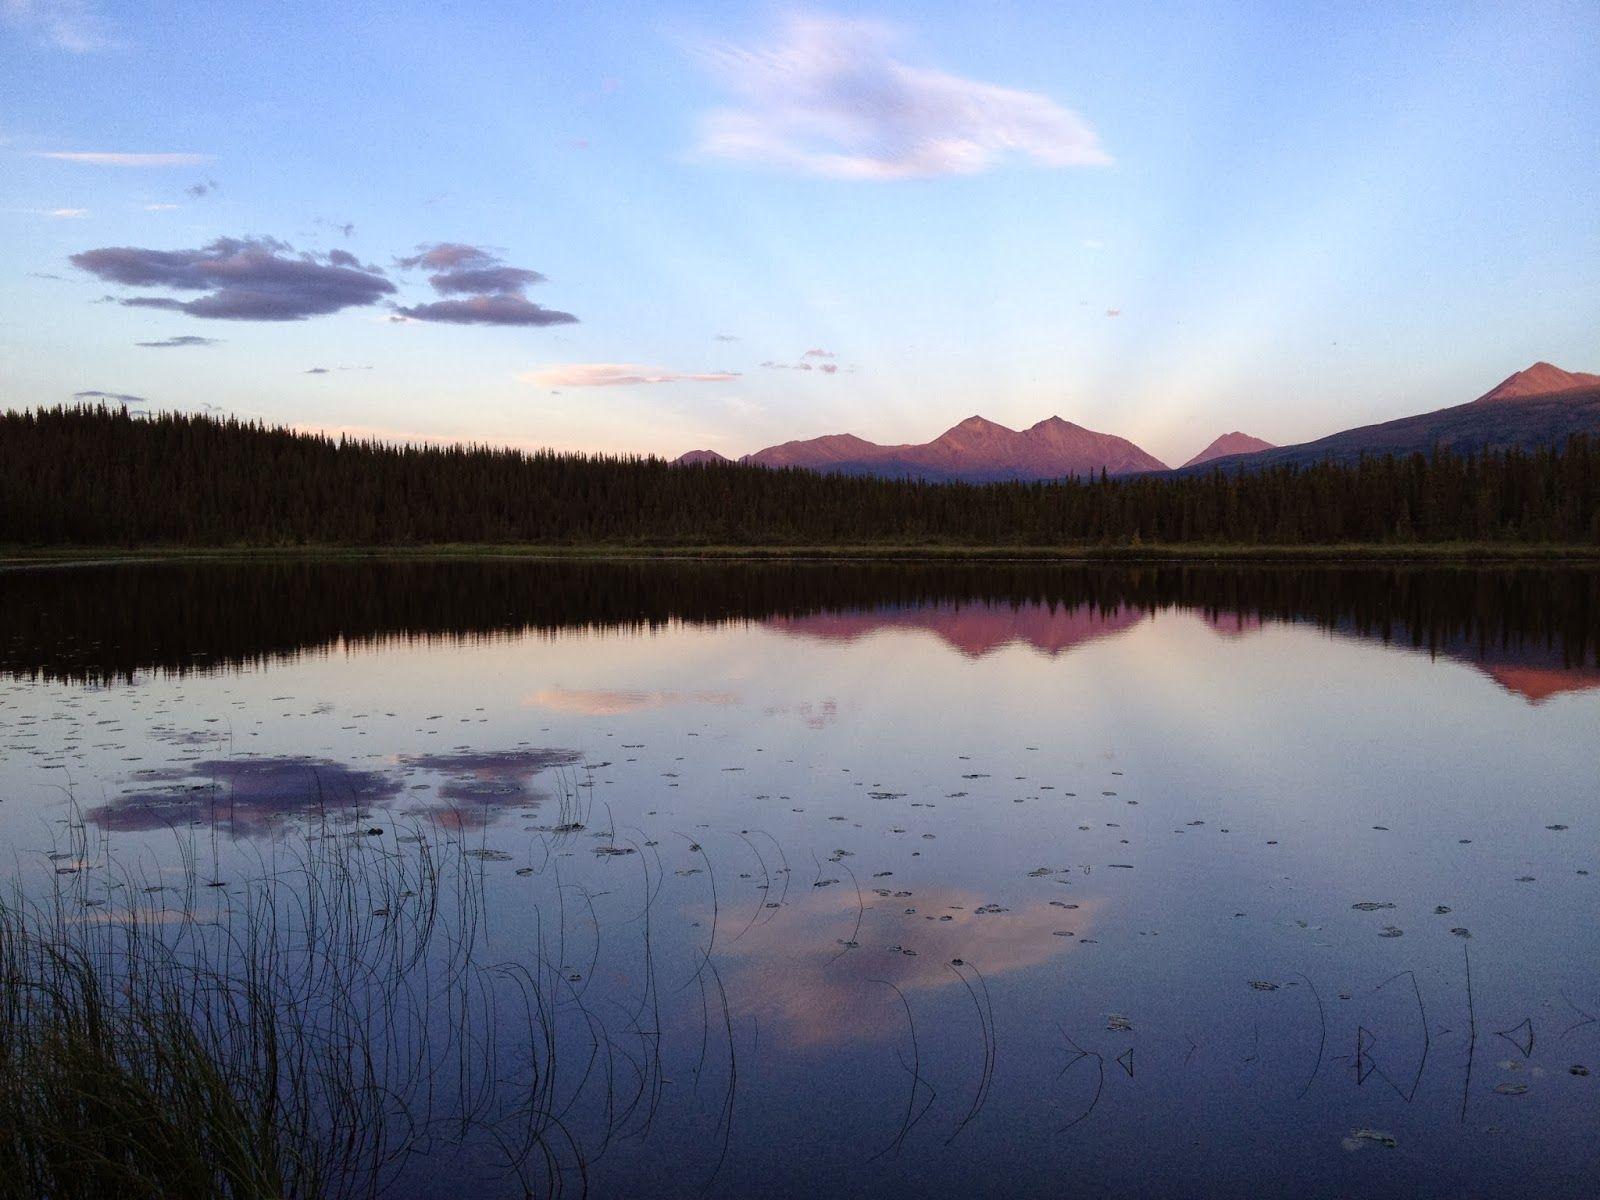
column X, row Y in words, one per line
column 1360, row 1138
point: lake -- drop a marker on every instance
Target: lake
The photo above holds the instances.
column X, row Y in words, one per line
column 879, row 879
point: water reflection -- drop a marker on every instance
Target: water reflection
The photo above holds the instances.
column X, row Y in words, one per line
column 254, row 797
column 784, row 827
column 479, row 786
column 104, row 623
column 611, row 702
column 247, row 796
column 816, row 978
column 973, row 630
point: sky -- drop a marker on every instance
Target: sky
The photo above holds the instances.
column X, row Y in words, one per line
column 651, row 228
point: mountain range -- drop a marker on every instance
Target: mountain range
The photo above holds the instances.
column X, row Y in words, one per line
column 1540, row 406
column 975, row 451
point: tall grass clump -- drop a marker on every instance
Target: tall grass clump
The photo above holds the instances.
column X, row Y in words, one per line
column 305, row 1034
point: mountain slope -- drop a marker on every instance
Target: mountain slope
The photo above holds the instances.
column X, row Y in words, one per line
column 975, row 451
column 1541, row 379
column 817, row 453
column 1229, row 443
column 1516, row 414
column 701, row 457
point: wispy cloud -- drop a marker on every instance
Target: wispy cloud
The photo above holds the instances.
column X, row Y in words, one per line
column 58, row 214
column 246, row 279
column 114, row 397
column 118, row 158
column 73, row 25
column 482, row 288
column 617, row 375
column 805, row 364
column 171, row 343
column 830, row 99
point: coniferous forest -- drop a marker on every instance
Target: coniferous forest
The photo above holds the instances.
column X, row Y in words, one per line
column 97, row 476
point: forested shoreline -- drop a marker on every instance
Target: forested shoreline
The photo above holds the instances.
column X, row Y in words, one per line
column 97, row 476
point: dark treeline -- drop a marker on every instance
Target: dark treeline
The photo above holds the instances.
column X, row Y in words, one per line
column 113, row 622
column 95, row 476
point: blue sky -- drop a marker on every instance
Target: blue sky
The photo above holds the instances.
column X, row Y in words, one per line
column 1163, row 221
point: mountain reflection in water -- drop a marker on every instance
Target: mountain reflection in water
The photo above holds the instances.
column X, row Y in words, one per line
column 1535, row 630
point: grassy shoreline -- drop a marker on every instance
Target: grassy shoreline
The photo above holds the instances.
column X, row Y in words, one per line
column 1433, row 552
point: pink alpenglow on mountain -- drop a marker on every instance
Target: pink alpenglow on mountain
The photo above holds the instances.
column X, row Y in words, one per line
column 708, row 458
column 1229, row 443
column 1541, row 406
column 816, row 453
column 975, row 451
column 1541, row 379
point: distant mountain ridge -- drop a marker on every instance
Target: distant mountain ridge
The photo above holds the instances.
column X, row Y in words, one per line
column 1229, row 443
column 1538, row 407
column 975, row 451
column 701, row 457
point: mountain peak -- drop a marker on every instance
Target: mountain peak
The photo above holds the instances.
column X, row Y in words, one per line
column 975, row 423
column 1053, row 423
column 693, row 457
column 975, row 435
column 1541, row 379
column 977, row 450
column 1229, row 443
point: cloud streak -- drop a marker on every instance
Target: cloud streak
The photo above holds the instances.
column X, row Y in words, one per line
column 827, row 368
column 580, row 375
column 117, row 158
column 245, row 279
column 187, row 339
column 115, row 397
column 830, row 99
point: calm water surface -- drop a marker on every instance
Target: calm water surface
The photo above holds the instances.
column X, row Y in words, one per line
column 908, row 881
